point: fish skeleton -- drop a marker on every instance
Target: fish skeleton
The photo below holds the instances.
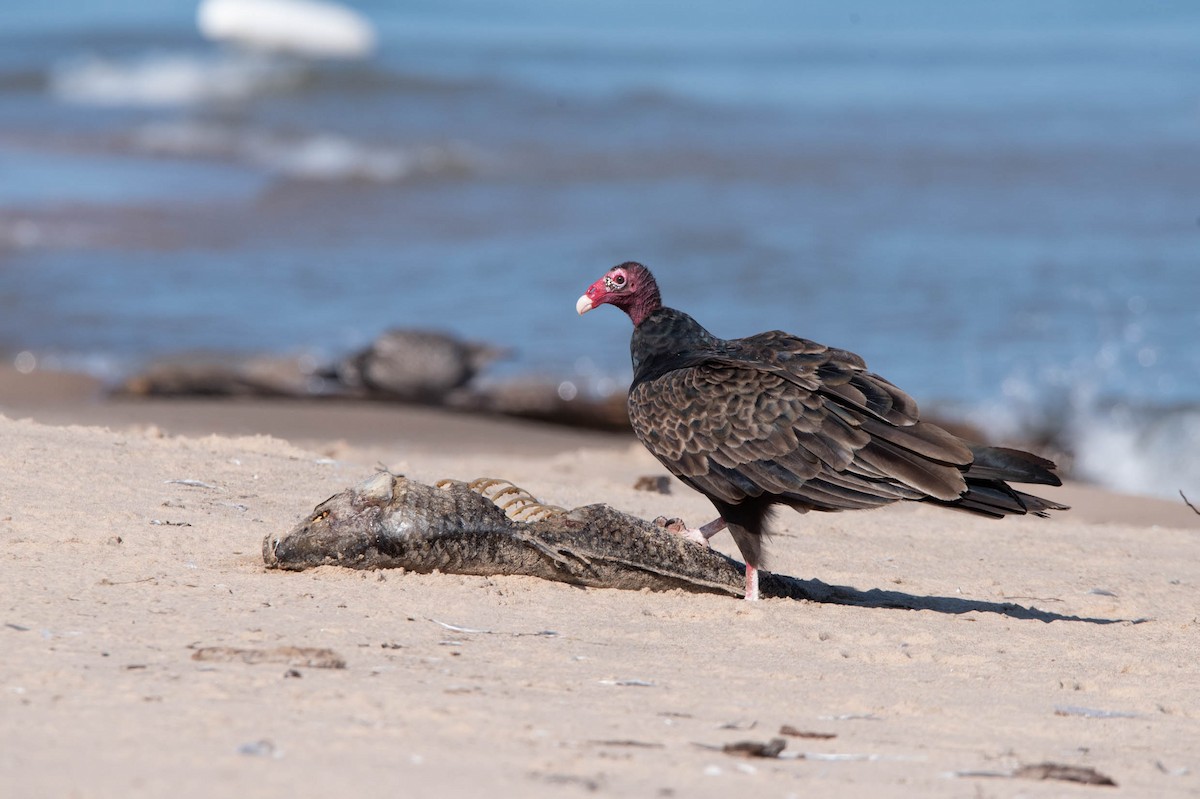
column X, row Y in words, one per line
column 389, row 522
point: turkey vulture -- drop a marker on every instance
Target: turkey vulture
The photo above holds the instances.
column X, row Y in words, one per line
column 777, row 419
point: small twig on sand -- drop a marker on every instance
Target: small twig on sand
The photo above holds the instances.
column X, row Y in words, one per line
column 454, row 628
column 192, row 483
column 1188, row 502
column 1084, row 775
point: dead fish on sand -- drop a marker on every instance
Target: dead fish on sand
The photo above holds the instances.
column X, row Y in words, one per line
column 389, row 521
column 491, row 527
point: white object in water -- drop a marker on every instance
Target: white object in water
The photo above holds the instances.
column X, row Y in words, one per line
column 305, row 27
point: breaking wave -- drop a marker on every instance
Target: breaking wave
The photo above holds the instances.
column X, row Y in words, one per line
column 314, row 156
column 180, row 79
column 1137, row 448
column 1131, row 446
column 174, row 79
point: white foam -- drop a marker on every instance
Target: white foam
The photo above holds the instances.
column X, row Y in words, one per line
column 330, row 157
column 1135, row 448
column 320, row 157
column 304, row 27
column 171, row 79
column 1139, row 450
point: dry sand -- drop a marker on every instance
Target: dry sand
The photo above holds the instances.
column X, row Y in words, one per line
column 113, row 578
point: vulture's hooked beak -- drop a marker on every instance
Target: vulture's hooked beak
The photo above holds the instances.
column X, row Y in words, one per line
column 583, row 305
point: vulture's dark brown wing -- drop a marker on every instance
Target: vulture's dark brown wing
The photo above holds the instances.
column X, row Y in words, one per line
column 782, row 416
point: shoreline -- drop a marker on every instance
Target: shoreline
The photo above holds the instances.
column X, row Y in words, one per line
column 64, row 398
column 337, row 427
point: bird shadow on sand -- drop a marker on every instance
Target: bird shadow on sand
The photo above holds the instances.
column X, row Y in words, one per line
column 782, row 586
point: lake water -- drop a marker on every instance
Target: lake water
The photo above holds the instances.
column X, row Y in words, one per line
column 996, row 204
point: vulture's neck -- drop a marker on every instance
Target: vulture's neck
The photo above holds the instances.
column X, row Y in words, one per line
column 666, row 340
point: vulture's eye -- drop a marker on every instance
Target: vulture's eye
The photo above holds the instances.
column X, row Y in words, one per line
column 619, row 279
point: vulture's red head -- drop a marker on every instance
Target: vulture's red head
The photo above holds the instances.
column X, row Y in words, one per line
column 629, row 286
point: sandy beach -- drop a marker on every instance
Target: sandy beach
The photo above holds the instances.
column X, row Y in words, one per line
column 148, row 652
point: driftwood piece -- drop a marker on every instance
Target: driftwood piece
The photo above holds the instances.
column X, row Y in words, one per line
column 211, row 375
column 544, row 401
column 415, row 366
column 421, row 366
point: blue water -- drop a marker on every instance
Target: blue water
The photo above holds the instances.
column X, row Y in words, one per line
column 996, row 204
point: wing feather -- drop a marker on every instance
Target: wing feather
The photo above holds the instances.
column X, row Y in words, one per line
column 735, row 431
